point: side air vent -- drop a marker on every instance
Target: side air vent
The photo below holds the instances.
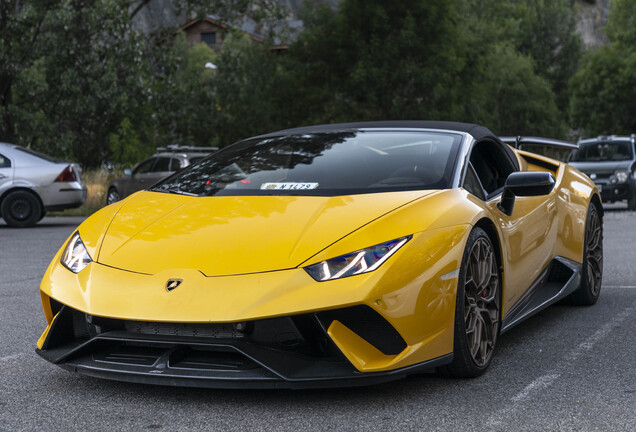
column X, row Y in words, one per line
column 369, row 325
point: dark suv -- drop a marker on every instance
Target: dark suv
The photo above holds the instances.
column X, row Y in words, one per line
column 166, row 161
column 610, row 161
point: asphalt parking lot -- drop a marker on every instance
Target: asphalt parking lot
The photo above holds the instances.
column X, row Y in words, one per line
column 568, row 368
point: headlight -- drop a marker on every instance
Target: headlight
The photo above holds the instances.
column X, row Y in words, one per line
column 361, row 261
column 75, row 257
column 622, row 176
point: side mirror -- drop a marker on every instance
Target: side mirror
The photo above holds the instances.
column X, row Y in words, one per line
column 127, row 171
column 525, row 183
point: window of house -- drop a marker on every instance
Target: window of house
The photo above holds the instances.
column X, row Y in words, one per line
column 208, row 38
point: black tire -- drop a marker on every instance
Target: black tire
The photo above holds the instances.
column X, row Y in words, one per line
column 592, row 275
column 112, row 196
column 477, row 310
column 21, row 209
column 631, row 202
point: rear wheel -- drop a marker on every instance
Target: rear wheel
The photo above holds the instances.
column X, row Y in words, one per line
column 477, row 309
column 21, row 209
column 592, row 275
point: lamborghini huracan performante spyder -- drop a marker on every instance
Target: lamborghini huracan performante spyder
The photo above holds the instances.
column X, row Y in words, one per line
column 324, row 256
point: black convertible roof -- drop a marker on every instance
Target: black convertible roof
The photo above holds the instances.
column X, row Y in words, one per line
column 476, row 131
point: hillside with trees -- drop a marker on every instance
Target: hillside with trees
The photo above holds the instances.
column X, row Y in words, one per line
column 108, row 81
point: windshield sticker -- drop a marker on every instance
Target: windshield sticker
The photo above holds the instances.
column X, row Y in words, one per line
column 289, row 186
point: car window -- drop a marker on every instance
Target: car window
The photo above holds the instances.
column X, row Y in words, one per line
column 145, row 166
column 492, row 166
column 163, row 164
column 472, row 184
column 175, row 164
column 4, row 162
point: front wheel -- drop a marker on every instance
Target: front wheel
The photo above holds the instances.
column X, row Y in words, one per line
column 113, row 196
column 592, row 275
column 477, row 311
column 631, row 202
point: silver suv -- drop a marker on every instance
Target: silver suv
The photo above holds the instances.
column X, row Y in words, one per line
column 166, row 161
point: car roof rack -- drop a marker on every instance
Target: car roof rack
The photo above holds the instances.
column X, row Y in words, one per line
column 631, row 137
column 176, row 148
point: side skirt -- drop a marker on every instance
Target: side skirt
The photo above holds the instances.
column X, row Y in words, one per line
column 561, row 278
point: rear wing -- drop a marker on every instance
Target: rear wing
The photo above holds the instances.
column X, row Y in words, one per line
column 549, row 147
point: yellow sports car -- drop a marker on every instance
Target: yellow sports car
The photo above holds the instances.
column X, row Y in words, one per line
column 323, row 256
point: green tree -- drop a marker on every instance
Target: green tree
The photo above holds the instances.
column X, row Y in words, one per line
column 94, row 79
column 547, row 33
column 76, row 79
column 604, row 92
column 21, row 30
column 247, row 82
column 604, row 88
column 183, row 100
column 382, row 60
column 544, row 30
column 513, row 99
column 621, row 25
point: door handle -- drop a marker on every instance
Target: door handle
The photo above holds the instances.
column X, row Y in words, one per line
column 2, row 176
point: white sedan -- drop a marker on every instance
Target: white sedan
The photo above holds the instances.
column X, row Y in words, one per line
column 33, row 183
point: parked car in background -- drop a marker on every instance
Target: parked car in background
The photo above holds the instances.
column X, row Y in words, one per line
column 32, row 183
column 610, row 161
column 166, row 161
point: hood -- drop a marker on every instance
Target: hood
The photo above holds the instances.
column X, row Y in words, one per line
column 218, row 236
column 608, row 167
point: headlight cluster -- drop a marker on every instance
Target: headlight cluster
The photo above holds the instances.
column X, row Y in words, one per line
column 361, row 261
column 75, row 258
column 620, row 177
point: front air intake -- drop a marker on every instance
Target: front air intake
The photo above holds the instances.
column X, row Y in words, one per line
column 369, row 325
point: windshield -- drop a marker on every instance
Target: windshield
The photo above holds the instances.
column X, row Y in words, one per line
column 603, row 151
column 326, row 164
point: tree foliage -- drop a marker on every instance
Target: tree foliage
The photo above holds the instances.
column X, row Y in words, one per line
column 603, row 90
column 77, row 80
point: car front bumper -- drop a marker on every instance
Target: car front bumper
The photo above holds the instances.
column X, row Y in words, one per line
column 611, row 192
column 290, row 352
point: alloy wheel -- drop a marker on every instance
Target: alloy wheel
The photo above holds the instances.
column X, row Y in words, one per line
column 481, row 301
column 594, row 254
